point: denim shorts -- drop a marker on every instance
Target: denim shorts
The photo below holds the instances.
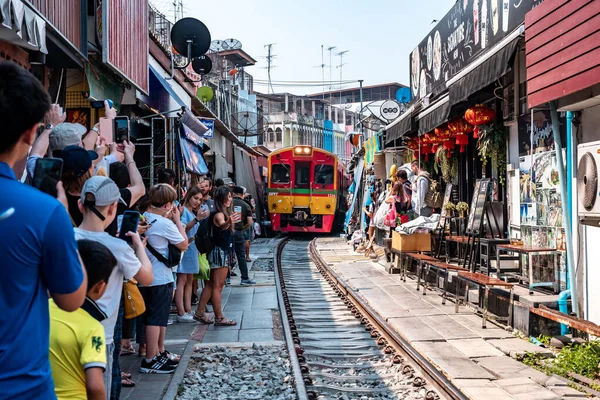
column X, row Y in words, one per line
column 158, row 304
column 247, row 234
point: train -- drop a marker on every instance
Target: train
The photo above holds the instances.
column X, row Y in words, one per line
column 306, row 190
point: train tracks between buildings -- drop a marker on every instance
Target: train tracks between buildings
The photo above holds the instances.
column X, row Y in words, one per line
column 339, row 347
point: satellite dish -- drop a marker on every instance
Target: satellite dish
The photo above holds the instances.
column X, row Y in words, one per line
column 248, row 123
column 216, row 46
column 205, row 93
column 202, row 65
column 231, row 44
column 190, row 37
column 403, row 95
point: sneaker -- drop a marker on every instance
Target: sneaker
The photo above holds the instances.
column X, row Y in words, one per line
column 228, row 281
column 172, row 359
column 195, row 300
column 185, row 318
column 158, row 365
column 248, row 282
column 232, row 274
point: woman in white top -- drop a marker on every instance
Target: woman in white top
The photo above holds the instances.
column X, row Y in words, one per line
column 192, row 214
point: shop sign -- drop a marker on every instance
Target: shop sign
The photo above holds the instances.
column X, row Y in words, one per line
column 390, row 110
column 210, row 125
column 466, row 31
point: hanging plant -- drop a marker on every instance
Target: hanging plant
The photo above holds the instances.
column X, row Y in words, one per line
column 447, row 166
column 491, row 146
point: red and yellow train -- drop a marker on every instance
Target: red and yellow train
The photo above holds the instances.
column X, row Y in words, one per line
column 306, row 190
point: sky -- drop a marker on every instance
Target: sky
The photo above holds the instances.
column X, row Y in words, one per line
column 378, row 34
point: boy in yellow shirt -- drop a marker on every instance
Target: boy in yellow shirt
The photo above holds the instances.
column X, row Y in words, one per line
column 77, row 347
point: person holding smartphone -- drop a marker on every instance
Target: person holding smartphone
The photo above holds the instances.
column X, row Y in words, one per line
column 220, row 258
column 242, row 232
column 193, row 212
column 39, row 252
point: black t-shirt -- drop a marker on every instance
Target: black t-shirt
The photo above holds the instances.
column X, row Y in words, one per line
column 246, row 212
column 121, row 208
column 76, row 215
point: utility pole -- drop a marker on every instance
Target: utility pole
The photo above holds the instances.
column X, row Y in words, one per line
column 330, row 50
column 341, row 66
column 323, row 71
column 361, row 106
column 270, row 57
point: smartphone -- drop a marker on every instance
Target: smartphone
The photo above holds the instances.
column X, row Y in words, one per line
column 129, row 224
column 46, row 175
column 204, row 207
column 100, row 104
column 120, row 129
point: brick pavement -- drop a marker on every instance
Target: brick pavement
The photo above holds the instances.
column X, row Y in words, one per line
column 477, row 360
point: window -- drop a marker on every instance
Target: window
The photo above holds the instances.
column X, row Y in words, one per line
column 280, row 173
column 271, row 135
column 278, row 134
column 302, row 174
column 324, row 174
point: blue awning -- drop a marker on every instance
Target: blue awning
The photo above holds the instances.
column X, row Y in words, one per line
column 167, row 86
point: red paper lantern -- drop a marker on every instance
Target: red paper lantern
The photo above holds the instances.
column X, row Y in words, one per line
column 479, row 115
column 445, row 134
column 425, row 147
column 354, row 139
column 460, row 127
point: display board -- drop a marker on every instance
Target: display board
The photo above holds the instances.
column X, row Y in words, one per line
column 443, row 213
column 474, row 226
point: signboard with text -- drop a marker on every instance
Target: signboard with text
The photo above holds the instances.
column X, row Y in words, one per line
column 469, row 29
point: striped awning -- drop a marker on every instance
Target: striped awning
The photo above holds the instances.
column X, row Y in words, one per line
column 371, row 147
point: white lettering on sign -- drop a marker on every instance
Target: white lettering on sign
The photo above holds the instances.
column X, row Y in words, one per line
column 456, row 37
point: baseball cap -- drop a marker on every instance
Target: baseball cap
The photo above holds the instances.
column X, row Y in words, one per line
column 66, row 134
column 76, row 159
column 227, row 181
column 238, row 190
column 104, row 189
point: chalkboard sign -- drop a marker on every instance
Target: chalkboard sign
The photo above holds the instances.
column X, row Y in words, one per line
column 472, row 207
column 479, row 197
column 443, row 213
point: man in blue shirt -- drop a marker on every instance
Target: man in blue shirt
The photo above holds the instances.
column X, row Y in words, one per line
column 38, row 249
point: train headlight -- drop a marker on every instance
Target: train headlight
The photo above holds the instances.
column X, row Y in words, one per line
column 328, row 206
column 306, row 150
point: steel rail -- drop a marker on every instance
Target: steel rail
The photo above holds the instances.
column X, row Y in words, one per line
column 289, row 341
column 441, row 383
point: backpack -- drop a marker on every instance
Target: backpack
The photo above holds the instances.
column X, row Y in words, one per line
column 205, row 236
column 172, row 260
column 434, row 197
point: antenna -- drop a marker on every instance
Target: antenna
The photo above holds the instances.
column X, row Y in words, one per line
column 330, row 50
column 270, row 57
column 341, row 66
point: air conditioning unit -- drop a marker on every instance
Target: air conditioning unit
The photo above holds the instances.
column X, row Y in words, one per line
column 588, row 165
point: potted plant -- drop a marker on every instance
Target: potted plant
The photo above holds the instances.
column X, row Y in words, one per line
column 462, row 208
column 450, row 208
column 491, row 146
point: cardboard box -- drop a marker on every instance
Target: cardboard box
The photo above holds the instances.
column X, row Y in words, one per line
column 414, row 242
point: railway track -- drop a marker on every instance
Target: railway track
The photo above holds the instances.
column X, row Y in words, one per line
column 339, row 347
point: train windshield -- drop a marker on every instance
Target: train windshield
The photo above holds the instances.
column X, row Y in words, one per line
column 324, row 174
column 302, row 174
column 280, row 173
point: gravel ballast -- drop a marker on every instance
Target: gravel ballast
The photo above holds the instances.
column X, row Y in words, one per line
column 259, row 372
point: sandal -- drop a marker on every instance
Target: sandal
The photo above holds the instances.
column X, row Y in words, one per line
column 203, row 319
column 127, row 351
column 125, row 375
column 224, row 322
column 127, row 383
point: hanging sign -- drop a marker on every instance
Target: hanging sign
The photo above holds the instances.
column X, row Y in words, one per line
column 390, row 110
column 209, row 123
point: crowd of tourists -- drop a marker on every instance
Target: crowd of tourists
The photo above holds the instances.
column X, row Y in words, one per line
column 76, row 290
